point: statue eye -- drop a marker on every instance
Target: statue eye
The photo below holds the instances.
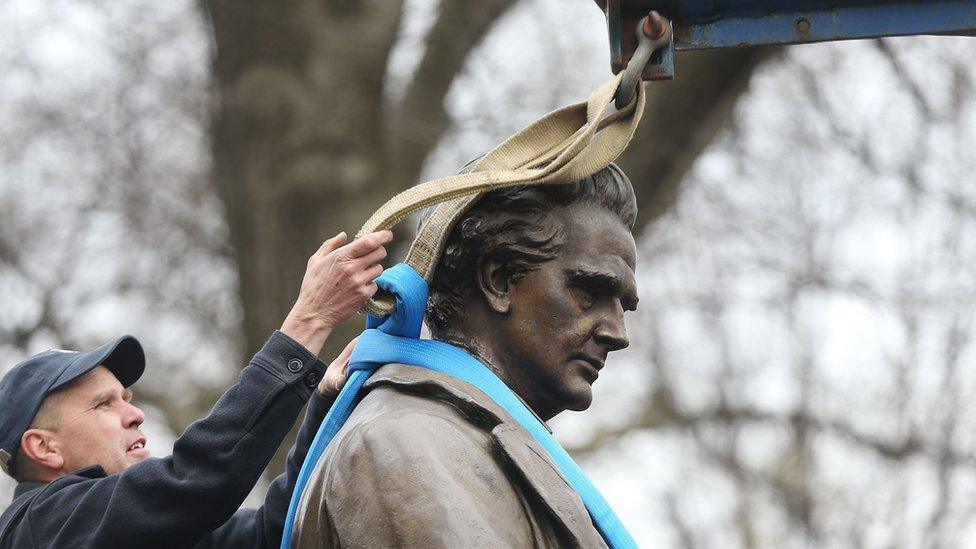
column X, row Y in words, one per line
column 585, row 297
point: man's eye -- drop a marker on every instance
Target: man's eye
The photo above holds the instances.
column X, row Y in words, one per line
column 104, row 404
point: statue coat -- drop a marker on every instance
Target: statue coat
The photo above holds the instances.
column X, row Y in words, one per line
column 426, row 460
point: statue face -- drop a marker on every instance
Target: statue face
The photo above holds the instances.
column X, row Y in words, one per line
column 567, row 315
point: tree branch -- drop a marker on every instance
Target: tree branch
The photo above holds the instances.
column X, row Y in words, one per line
column 661, row 414
column 419, row 121
column 680, row 120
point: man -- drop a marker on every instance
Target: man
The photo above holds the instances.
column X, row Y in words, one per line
column 69, row 433
column 534, row 283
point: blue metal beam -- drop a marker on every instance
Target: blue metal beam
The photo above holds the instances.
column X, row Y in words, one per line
column 842, row 22
column 706, row 24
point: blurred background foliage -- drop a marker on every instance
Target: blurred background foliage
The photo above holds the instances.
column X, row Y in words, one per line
column 799, row 371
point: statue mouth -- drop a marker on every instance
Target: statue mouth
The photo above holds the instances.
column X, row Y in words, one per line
column 592, row 366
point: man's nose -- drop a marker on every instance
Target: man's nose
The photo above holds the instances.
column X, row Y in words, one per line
column 612, row 332
column 133, row 416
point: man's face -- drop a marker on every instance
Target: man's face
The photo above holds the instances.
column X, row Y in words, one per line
column 98, row 425
column 568, row 314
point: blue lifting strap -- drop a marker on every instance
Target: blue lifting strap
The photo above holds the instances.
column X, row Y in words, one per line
column 395, row 339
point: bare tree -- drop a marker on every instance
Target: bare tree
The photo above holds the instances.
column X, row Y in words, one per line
column 108, row 221
column 807, row 311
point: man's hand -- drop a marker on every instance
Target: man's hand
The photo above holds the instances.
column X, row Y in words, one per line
column 337, row 372
column 338, row 281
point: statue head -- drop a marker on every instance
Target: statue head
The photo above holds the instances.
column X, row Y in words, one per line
column 534, row 281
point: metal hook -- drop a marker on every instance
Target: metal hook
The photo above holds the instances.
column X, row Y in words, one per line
column 653, row 33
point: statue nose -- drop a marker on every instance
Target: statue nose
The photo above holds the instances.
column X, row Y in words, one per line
column 612, row 332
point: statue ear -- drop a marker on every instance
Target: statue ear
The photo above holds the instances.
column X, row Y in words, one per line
column 494, row 284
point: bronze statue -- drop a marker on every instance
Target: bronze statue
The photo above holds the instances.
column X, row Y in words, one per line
column 534, row 282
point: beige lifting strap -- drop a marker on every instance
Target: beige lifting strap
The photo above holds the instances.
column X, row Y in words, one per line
column 566, row 145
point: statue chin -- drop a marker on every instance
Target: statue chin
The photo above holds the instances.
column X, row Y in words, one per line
column 582, row 401
column 577, row 397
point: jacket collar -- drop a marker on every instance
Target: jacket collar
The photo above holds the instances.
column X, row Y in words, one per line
column 25, row 487
column 92, row 471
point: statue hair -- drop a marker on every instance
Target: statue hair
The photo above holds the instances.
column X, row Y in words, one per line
column 515, row 226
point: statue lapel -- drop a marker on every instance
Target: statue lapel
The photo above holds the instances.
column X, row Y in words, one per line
column 539, row 474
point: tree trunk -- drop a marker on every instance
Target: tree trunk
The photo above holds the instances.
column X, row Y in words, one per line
column 295, row 135
column 304, row 145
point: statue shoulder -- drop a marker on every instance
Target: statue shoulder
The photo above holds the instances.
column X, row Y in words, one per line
column 410, row 415
column 406, row 387
column 413, row 410
column 437, row 472
column 417, row 440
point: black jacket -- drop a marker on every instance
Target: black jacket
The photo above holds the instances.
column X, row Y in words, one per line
column 191, row 498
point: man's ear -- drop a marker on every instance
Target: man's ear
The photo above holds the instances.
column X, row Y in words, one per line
column 493, row 281
column 41, row 447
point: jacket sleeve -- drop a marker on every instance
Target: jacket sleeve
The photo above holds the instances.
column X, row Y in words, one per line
column 178, row 500
column 263, row 527
column 411, row 480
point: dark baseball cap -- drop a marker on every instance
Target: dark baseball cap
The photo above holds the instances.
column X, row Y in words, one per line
column 24, row 388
